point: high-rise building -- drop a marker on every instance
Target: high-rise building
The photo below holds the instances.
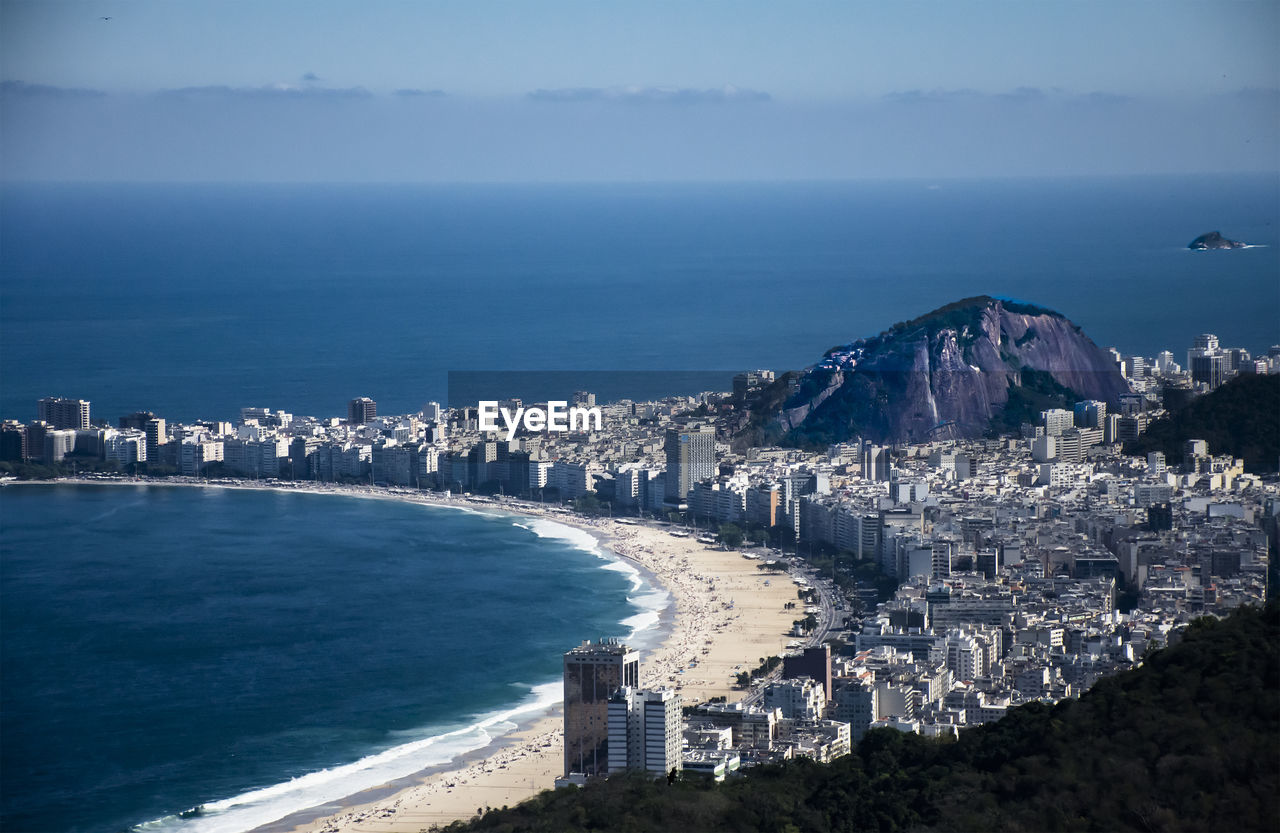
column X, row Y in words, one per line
column 58, row 443
column 64, row 413
column 13, row 442
column 875, row 463
column 1193, row 450
column 691, row 457
column 856, row 703
column 645, row 731
column 1057, row 420
column 361, row 410
column 1159, row 517
column 1209, row 364
column 944, row 553
column 814, row 662
column 1165, row 362
column 1209, row 369
column 799, row 699
column 1205, row 341
column 156, row 437
column 136, row 421
column 764, row 502
column 592, row 673
column 126, row 447
column 1090, row 414
column 36, row 432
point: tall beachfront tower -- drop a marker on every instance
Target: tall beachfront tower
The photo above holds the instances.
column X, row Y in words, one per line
column 64, row 413
column 691, row 457
column 592, row 673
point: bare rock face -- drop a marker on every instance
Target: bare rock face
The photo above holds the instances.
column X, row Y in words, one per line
column 1214, row 240
column 948, row 374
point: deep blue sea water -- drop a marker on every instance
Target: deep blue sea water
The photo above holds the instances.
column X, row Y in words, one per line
column 167, row 647
column 164, row 647
column 195, row 300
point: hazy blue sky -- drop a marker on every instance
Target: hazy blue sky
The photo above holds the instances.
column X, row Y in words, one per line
column 629, row 90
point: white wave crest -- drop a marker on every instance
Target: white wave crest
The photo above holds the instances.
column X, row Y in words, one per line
column 577, row 538
column 649, row 601
column 263, row 806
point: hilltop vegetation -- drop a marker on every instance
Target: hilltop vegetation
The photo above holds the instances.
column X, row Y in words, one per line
column 1186, row 742
column 1241, row 418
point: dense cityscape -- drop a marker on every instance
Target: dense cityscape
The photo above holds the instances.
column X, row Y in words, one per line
column 939, row 584
column 575, row 417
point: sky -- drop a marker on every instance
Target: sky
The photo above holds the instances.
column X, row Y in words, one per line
column 137, row 90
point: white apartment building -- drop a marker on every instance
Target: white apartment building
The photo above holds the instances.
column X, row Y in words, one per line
column 799, row 699
column 645, row 731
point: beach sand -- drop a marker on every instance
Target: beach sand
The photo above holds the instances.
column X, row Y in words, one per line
column 725, row 620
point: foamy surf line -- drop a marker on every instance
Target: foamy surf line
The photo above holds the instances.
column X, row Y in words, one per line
column 649, row 598
column 270, row 804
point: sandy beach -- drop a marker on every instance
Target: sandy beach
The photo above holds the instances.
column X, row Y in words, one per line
column 726, row 614
column 726, row 619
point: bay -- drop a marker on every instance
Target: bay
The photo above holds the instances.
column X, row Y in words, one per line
column 167, row 647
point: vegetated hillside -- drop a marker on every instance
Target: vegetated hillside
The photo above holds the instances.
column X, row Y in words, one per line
column 1241, row 418
column 952, row 373
column 1190, row 741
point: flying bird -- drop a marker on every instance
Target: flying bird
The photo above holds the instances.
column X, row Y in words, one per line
column 104, row 18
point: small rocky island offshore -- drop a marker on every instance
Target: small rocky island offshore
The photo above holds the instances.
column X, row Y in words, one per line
column 1214, row 240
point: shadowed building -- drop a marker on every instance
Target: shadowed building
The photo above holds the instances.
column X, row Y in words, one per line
column 814, row 662
column 362, row 410
column 64, row 413
column 592, row 673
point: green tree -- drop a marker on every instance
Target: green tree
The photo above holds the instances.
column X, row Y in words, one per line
column 731, row 535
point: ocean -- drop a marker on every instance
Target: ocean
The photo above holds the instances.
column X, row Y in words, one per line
column 167, row 647
column 193, row 301
column 259, row 652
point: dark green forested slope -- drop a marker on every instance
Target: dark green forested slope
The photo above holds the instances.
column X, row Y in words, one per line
column 1190, row 741
column 1241, row 418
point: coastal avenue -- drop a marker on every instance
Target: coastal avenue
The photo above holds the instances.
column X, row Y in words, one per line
column 826, row 622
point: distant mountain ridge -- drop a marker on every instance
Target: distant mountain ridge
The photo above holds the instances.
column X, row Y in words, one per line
column 951, row 373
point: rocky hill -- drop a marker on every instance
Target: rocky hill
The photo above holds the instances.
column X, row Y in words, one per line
column 1214, row 240
column 959, row 371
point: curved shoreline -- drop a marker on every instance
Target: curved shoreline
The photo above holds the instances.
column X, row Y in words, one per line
column 695, row 631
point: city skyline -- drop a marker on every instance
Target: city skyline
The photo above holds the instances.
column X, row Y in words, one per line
column 351, row 380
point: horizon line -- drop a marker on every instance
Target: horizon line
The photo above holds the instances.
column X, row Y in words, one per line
column 6, row 181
